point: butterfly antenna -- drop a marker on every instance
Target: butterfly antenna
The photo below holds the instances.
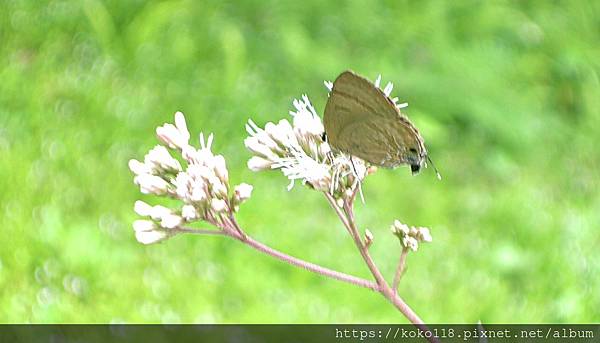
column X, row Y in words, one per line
column 434, row 168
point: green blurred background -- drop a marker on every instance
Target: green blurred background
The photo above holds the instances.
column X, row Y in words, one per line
column 506, row 94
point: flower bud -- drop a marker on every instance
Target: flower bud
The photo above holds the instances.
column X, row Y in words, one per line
column 221, row 168
column 139, row 168
column 150, row 237
column 151, row 184
column 368, row 237
column 160, row 160
column 257, row 147
column 142, row 208
column 189, row 212
column 143, row 225
column 170, row 221
column 256, row 163
column 218, row 205
column 241, row 193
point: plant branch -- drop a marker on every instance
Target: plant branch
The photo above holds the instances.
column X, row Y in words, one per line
column 347, row 218
column 182, row 229
column 286, row 258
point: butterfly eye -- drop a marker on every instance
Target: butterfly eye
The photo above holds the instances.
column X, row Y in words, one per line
column 413, row 150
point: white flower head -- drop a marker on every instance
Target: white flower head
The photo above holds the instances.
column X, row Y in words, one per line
column 200, row 182
column 410, row 237
column 297, row 149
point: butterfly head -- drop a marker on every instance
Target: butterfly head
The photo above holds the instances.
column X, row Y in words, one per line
column 416, row 159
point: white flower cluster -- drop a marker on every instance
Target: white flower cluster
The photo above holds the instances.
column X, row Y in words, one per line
column 410, row 237
column 298, row 149
column 202, row 186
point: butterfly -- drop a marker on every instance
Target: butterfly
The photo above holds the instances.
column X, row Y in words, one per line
column 362, row 121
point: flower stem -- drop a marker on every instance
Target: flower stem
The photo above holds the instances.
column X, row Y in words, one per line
column 310, row 266
column 400, row 269
column 234, row 233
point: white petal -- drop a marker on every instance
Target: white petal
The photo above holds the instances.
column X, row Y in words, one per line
column 252, row 128
column 182, row 126
column 378, row 81
column 388, row 88
column 209, row 141
column 257, row 147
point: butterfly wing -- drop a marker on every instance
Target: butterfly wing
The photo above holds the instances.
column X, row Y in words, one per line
column 362, row 121
column 354, row 98
column 380, row 141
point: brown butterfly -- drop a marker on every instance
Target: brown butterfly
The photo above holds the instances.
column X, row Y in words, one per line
column 362, row 121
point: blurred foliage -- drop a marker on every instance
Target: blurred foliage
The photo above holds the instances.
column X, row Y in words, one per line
column 506, row 94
